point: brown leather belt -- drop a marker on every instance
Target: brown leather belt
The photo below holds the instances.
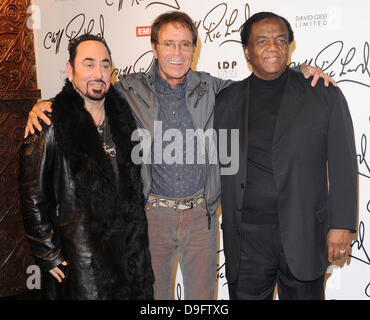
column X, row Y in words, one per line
column 182, row 204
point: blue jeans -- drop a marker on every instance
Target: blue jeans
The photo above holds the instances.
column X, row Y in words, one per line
column 186, row 233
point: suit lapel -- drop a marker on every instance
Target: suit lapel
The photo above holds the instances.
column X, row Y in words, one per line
column 241, row 113
column 291, row 104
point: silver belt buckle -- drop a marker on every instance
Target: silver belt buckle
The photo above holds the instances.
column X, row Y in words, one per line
column 175, row 204
column 190, row 204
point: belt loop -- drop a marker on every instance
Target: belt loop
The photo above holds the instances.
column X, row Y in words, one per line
column 209, row 220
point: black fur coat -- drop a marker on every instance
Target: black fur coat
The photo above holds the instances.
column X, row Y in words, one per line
column 73, row 210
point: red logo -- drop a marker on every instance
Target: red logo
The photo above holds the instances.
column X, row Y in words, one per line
column 143, row 31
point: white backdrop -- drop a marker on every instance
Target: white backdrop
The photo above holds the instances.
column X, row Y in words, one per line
column 332, row 34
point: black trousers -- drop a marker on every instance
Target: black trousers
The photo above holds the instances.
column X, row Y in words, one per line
column 263, row 265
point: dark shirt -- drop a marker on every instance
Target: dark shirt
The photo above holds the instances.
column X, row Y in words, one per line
column 261, row 204
column 109, row 146
column 177, row 180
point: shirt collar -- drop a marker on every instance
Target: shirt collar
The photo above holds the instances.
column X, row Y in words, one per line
column 163, row 87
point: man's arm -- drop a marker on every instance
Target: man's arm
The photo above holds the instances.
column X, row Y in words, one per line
column 45, row 106
column 38, row 112
column 308, row 71
column 316, row 73
column 342, row 169
column 39, row 109
column 35, row 202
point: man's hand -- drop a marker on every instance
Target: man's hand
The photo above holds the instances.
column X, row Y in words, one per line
column 57, row 273
column 38, row 111
column 317, row 73
column 339, row 244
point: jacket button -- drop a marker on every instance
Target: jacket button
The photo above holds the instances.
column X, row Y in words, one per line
column 242, row 185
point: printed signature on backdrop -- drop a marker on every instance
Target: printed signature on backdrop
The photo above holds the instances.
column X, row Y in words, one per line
column 344, row 63
column 359, row 251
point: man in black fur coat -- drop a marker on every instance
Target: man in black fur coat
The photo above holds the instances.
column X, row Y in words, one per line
column 81, row 195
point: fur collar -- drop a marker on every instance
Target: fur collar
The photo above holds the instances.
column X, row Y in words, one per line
column 105, row 211
column 76, row 132
column 79, row 140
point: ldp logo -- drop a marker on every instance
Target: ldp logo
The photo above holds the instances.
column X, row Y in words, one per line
column 143, row 31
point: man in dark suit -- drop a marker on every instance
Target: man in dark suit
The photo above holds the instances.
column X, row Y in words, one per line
column 290, row 208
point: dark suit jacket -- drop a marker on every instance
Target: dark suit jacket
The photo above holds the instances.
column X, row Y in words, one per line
column 313, row 150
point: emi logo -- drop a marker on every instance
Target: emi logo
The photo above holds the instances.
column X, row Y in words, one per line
column 143, row 31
